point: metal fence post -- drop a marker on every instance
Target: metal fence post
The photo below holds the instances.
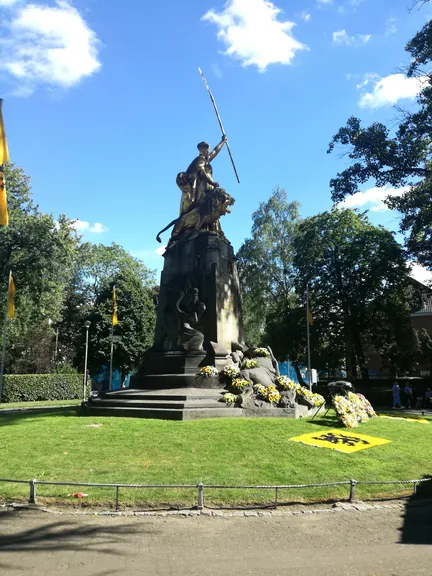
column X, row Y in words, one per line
column 32, row 498
column 352, row 490
column 200, row 496
column 414, row 488
column 276, row 497
column 117, row 497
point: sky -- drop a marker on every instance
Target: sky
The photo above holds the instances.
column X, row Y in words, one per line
column 104, row 105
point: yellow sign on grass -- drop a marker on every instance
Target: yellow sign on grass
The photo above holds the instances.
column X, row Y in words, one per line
column 419, row 420
column 341, row 440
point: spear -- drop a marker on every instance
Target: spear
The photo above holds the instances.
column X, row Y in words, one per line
column 220, row 122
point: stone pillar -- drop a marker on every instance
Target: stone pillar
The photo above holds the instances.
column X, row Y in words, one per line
column 204, row 262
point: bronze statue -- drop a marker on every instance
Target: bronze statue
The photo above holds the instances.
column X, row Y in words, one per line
column 198, row 178
column 204, row 217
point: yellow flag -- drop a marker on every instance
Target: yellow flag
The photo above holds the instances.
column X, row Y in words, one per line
column 11, row 298
column 4, row 152
column 114, row 316
column 4, row 216
column 310, row 317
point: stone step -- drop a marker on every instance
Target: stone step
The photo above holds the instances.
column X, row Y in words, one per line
column 156, row 403
column 163, row 413
column 144, row 397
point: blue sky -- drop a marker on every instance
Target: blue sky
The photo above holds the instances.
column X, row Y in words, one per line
column 103, row 103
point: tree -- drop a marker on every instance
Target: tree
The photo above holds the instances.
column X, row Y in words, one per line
column 40, row 252
column 97, row 269
column 358, row 278
column 399, row 158
column 137, row 318
column 265, row 264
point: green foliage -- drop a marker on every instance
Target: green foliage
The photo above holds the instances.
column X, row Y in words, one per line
column 61, row 282
column 33, row 387
column 398, row 158
column 40, row 252
column 89, row 297
column 360, row 291
column 137, row 318
column 265, row 264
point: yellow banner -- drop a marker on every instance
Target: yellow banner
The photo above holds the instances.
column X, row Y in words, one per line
column 4, row 152
column 11, row 298
column 345, row 441
column 114, row 316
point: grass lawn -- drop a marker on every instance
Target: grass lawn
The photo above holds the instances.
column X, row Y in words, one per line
column 62, row 446
column 13, row 405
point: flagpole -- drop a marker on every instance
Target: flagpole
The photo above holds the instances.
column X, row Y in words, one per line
column 308, row 340
column 4, row 339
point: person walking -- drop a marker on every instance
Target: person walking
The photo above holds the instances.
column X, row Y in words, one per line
column 396, row 396
column 408, row 393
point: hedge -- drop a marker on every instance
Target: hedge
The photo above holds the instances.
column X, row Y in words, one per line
column 33, row 387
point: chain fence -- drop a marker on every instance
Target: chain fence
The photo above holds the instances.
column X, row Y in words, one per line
column 200, row 488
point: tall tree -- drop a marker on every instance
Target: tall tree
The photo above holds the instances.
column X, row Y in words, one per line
column 137, row 318
column 97, row 269
column 357, row 274
column 400, row 158
column 265, row 263
column 40, row 252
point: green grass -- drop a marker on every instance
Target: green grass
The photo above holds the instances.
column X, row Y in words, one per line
column 13, row 405
column 60, row 446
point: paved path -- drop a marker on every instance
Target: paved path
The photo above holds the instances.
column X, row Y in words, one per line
column 386, row 542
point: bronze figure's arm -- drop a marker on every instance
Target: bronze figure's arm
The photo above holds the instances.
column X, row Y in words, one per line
column 218, row 148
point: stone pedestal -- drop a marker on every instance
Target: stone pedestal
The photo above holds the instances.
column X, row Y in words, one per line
column 203, row 263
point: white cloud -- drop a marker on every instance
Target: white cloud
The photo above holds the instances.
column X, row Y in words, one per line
column 51, row 45
column 8, row 2
column 343, row 38
column 305, row 15
column 84, row 226
column 420, row 273
column 159, row 251
column 389, row 90
column 390, row 27
column 373, row 198
column 251, row 32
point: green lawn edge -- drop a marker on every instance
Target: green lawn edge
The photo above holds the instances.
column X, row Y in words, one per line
column 61, row 446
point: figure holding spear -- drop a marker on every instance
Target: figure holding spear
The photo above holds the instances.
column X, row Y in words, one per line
column 197, row 181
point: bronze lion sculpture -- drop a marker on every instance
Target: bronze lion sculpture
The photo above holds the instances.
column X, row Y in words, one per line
column 204, row 217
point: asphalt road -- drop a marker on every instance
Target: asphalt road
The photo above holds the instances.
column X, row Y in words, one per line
column 390, row 542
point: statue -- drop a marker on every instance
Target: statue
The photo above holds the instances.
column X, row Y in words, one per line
column 197, row 181
column 203, row 202
column 204, row 217
column 190, row 310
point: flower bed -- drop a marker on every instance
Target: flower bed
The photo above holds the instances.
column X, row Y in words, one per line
column 262, row 352
column 249, row 364
column 353, row 409
column 208, row 372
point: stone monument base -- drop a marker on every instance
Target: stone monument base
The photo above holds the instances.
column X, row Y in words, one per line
column 180, row 403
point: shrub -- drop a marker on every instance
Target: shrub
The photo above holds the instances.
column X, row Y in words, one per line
column 33, row 387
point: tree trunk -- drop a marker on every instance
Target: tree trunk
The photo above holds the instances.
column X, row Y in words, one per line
column 361, row 358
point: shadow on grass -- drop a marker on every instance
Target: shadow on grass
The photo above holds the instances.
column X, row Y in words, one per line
column 417, row 527
column 329, row 421
column 19, row 417
column 62, row 536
